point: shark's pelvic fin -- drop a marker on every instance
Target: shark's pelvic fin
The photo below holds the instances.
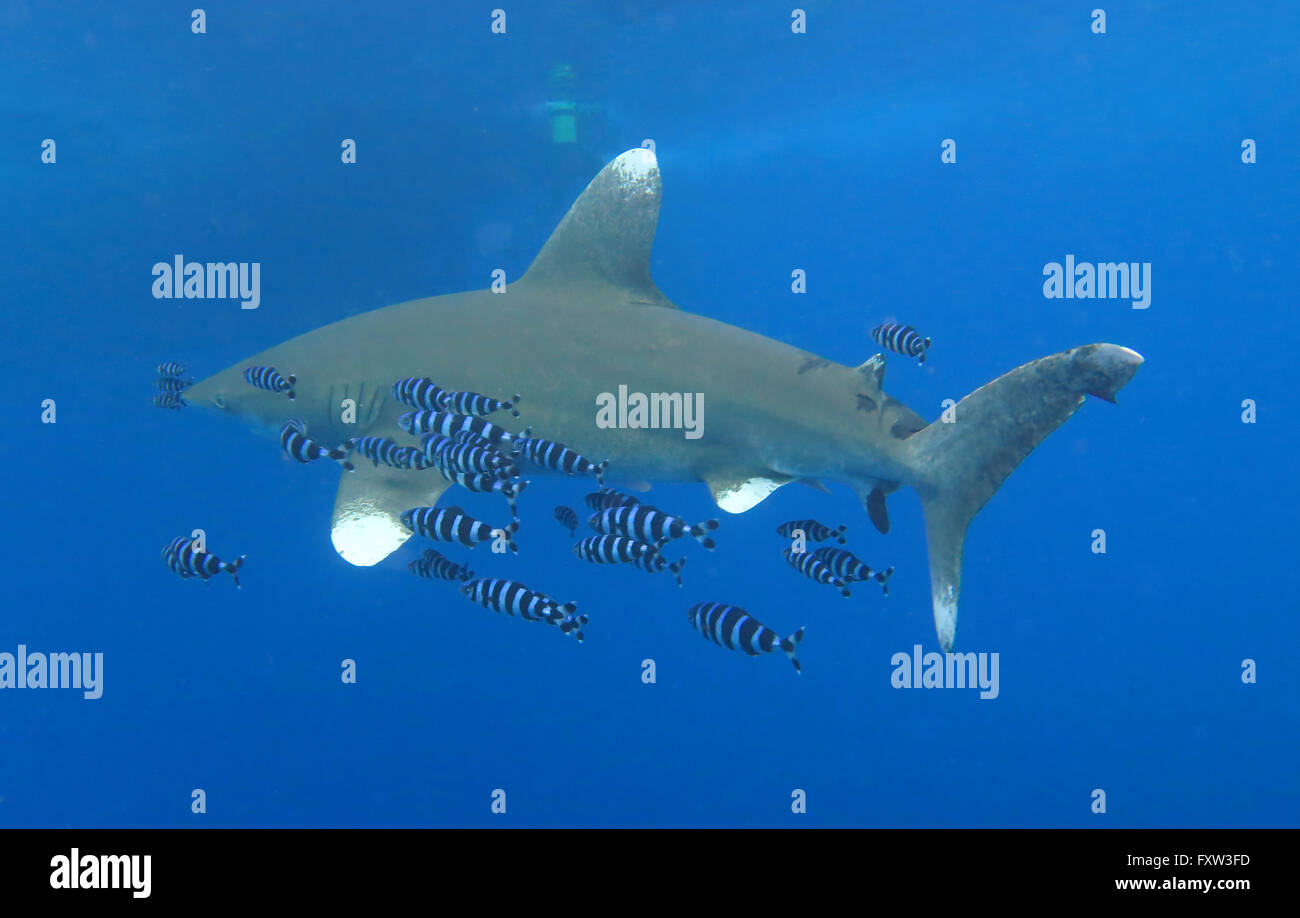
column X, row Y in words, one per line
column 606, row 236
column 367, row 525
column 815, row 484
column 738, row 493
column 996, row 426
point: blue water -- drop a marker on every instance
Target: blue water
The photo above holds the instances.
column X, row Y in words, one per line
column 1118, row 671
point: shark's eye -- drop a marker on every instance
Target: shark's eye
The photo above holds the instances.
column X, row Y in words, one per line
column 218, row 401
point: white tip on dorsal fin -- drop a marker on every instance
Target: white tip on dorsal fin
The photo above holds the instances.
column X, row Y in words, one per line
column 607, row 234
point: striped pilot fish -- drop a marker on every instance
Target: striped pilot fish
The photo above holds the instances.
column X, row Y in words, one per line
column 473, row 403
column 567, row 518
column 450, row 424
column 734, row 628
column 420, row 392
column 483, row 483
column 452, row 524
column 172, row 384
column 469, row 438
column 901, row 339
column 814, row 569
column 608, row 549
column 171, row 368
column 389, row 452
column 436, row 567
column 559, row 458
column 269, row 378
column 649, row 524
column 516, row 599
column 458, row 456
column 848, row 566
column 298, row 446
column 611, row 549
column 609, row 497
column 169, row 400
column 813, row 531
column 185, row 562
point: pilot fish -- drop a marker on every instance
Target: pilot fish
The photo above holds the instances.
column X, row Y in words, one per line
column 269, row 378
column 901, row 339
column 734, row 628
column 185, row 562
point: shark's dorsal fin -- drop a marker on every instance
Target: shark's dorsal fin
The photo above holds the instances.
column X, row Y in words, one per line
column 606, row 236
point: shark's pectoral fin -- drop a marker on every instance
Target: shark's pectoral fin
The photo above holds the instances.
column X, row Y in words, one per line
column 367, row 525
column 737, row 493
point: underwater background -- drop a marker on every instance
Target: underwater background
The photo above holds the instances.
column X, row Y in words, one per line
column 779, row 151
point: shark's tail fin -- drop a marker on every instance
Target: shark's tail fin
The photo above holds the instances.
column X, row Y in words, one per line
column 964, row 462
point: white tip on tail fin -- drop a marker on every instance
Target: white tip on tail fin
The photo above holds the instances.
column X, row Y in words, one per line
column 996, row 426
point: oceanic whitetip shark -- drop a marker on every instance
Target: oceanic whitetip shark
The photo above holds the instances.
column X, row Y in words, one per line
column 587, row 318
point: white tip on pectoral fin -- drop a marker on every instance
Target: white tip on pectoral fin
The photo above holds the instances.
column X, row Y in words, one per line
column 364, row 535
column 738, row 494
column 367, row 524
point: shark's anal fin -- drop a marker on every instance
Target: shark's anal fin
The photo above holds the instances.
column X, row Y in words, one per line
column 995, row 427
column 736, row 493
column 367, row 524
column 606, row 236
column 876, row 510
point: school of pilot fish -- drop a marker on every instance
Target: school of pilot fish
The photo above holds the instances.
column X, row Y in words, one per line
column 458, row 442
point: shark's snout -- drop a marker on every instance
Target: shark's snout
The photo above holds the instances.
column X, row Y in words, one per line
column 209, row 394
